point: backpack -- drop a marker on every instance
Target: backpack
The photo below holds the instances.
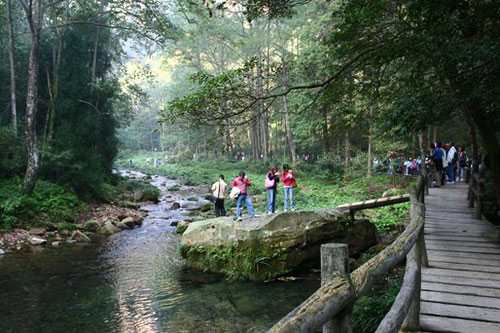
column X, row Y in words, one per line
column 269, row 183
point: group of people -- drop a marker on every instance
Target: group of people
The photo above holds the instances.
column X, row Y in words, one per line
column 239, row 192
column 400, row 165
column 448, row 163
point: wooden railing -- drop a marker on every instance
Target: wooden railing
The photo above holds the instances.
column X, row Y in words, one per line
column 330, row 306
column 476, row 190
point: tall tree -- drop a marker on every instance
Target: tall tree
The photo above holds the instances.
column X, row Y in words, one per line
column 34, row 16
column 12, row 66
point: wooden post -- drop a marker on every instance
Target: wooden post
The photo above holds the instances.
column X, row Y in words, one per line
column 334, row 262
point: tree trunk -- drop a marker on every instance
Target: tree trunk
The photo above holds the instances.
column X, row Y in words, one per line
column 347, row 151
column 34, row 16
column 12, row 63
column 288, row 129
column 326, row 132
column 370, row 142
column 485, row 123
column 421, row 145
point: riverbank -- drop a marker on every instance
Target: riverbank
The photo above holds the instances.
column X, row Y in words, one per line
column 54, row 215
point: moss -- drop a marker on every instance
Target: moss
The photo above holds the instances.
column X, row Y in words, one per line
column 250, row 262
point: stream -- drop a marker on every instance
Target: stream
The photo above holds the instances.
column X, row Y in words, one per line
column 135, row 281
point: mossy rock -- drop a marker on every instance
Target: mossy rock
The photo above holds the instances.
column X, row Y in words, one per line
column 91, row 225
column 267, row 247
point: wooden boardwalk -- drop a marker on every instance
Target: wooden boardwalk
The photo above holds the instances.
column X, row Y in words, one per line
column 461, row 287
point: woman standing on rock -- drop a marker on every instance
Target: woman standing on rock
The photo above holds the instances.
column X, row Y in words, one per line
column 271, row 184
column 219, row 193
column 289, row 182
column 242, row 183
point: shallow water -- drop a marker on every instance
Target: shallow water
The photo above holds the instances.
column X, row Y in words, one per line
column 134, row 281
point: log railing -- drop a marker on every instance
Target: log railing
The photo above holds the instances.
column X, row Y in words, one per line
column 331, row 305
column 476, row 190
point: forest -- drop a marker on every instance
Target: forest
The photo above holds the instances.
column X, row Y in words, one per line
column 107, row 104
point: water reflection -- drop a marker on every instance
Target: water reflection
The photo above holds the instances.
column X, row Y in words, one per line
column 134, row 281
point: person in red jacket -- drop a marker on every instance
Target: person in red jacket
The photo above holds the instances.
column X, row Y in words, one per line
column 289, row 182
column 242, row 183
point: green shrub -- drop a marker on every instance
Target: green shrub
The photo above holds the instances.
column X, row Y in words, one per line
column 49, row 203
column 369, row 310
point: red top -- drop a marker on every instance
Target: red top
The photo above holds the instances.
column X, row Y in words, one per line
column 241, row 183
column 288, row 179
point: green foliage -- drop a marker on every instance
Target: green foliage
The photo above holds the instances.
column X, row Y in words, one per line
column 369, row 310
column 49, row 203
column 12, row 156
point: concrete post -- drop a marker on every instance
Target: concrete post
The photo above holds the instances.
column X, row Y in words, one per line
column 335, row 261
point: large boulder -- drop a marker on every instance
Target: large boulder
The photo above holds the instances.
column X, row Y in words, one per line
column 266, row 247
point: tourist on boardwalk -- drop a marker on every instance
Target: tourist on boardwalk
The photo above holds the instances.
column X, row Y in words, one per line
column 452, row 158
column 289, row 183
column 437, row 159
column 219, row 193
column 444, row 152
column 271, row 184
column 462, row 163
column 242, row 183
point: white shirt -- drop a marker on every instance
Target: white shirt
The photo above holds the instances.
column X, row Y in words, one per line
column 451, row 153
column 219, row 189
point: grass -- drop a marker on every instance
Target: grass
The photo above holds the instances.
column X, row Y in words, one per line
column 316, row 187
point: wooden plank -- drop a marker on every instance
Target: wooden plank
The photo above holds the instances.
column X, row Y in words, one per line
column 462, row 254
column 435, row 231
column 462, row 260
column 456, row 289
column 461, row 281
column 449, row 298
column 464, row 243
column 465, row 249
column 459, row 238
column 464, row 274
column 464, row 267
column 460, row 311
column 440, row 324
column 375, row 203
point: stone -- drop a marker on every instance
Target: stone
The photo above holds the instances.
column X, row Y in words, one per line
column 267, row 247
column 91, row 225
column 2, row 252
column 108, row 228
column 37, row 231
column 175, row 206
column 35, row 240
column 129, row 222
column 80, row 237
column 56, row 244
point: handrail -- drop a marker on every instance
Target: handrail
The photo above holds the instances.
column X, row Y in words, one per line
column 475, row 194
column 342, row 291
